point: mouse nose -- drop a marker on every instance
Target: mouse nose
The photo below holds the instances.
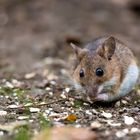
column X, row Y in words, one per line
column 92, row 91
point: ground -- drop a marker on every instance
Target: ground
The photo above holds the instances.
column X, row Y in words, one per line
column 36, row 62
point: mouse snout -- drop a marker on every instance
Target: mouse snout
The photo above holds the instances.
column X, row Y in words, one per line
column 92, row 91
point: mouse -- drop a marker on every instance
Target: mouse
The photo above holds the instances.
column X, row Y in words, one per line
column 105, row 70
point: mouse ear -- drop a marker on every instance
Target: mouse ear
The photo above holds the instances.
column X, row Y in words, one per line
column 76, row 48
column 108, row 48
column 78, row 51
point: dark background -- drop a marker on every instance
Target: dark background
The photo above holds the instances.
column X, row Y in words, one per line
column 31, row 30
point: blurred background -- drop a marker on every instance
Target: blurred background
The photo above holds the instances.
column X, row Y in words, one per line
column 33, row 30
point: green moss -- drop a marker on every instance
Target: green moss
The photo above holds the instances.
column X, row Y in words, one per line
column 22, row 133
column 78, row 103
column 8, row 91
column 44, row 123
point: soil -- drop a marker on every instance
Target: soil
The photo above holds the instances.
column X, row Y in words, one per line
column 36, row 62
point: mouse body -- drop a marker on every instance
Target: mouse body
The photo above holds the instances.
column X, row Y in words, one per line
column 106, row 69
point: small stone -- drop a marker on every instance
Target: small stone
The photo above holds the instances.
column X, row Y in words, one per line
column 128, row 120
column 14, row 94
column 47, row 111
column 126, row 131
column 78, row 126
column 118, row 104
column 95, row 125
column 51, row 93
column 1, row 133
column 8, row 84
column 124, row 101
column 120, row 134
column 114, row 124
column 3, row 113
column 30, row 75
column 95, row 112
column 28, row 104
column 67, row 89
column 54, row 115
column 7, row 97
column 88, row 112
column 16, row 83
column 13, row 106
column 134, row 130
column 34, row 110
column 31, row 121
column 85, row 104
column 107, row 115
column 23, row 117
column 48, row 88
column 63, row 96
column 52, row 82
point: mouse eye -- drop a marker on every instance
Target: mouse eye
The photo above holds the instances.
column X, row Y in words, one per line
column 81, row 73
column 99, row 72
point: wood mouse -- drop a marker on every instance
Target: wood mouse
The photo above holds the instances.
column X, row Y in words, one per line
column 106, row 69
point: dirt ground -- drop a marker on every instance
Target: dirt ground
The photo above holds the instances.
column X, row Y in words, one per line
column 36, row 62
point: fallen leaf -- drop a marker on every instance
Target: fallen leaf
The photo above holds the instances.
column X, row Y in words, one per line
column 71, row 118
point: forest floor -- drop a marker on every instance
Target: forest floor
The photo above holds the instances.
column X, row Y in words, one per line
column 36, row 62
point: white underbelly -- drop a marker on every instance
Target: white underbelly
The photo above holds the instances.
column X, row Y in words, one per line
column 128, row 82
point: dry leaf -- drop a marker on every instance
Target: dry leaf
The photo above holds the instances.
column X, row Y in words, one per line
column 71, row 118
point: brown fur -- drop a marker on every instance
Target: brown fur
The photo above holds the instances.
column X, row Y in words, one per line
column 107, row 53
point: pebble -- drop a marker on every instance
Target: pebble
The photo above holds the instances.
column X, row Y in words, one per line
column 3, row 113
column 30, row 75
column 78, row 126
column 134, row 130
column 16, row 83
column 1, row 133
column 12, row 106
column 85, row 104
column 1, row 96
column 118, row 104
column 8, row 84
column 126, row 131
column 67, row 89
column 107, row 115
column 23, row 117
column 31, row 121
column 52, row 82
column 34, row 110
column 48, row 88
column 124, row 102
column 54, row 115
column 88, row 112
column 95, row 112
column 95, row 125
column 128, row 120
column 47, row 111
column 114, row 124
column 120, row 134
column 7, row 97
column 51, row 93
column 28, row 104
column 63, row 96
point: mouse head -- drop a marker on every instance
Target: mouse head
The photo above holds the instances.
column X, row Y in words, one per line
column 94, row 66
